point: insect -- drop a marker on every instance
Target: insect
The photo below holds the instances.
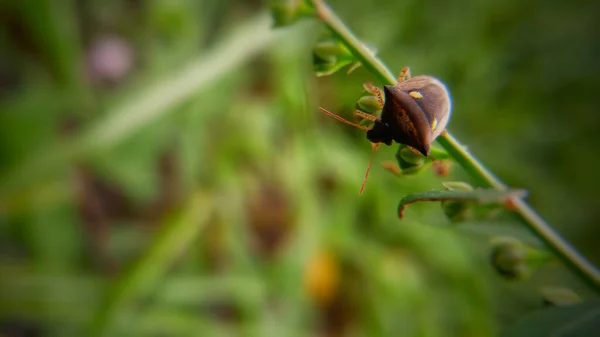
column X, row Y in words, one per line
column 414, row 112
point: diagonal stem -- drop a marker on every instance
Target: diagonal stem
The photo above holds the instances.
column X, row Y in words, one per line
column 483, row 176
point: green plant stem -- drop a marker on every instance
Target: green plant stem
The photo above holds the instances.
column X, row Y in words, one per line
column 563, row 249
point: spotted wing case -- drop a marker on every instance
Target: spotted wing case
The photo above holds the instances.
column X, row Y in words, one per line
column 417, row 110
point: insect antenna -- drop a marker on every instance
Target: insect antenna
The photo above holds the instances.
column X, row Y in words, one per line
column 375, row 147
column 331, row 114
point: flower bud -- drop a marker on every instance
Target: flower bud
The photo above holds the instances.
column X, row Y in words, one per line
column 330, row 56
column 329, row 50
column 369, row 104
column 509, row 259
column 457, row 211
column 411, row 156
column 110, row 59
column 285, row 12
column 515, row 260
column 409, row 159
column 324, row 69
column 559, row 296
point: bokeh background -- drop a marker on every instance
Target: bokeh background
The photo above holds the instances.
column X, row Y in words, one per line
column 164, row 170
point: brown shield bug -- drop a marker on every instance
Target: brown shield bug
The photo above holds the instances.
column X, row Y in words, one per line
column 414, row 112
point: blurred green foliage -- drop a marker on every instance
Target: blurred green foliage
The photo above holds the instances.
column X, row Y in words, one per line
column 165, row 170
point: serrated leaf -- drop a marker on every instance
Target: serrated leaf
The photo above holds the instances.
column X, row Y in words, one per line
column 481, row 196
column 580, row 320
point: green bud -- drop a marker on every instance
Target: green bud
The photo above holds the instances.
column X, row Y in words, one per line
column 329, row 56
column 411, row 156
column 515, row 260
column 411, row 170
column 335, row 55
column 409, row 161
column 285, row 12
column 559, row 296
column 457, row 211
column 330, row 50
column 369, row 104
column 324, row 69
column 509, row 259
column 366, row 122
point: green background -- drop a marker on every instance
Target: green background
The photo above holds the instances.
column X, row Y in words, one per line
column 188, row 196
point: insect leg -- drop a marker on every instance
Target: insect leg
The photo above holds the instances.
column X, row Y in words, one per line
column 331, row 114
column 373, row 90
column 364, row 115
column 375, row 147
column 414, row 150
column 404, row 75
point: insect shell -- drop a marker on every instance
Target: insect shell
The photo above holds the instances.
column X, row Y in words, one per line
column 416, row 111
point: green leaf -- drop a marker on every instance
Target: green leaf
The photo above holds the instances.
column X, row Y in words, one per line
column 481, row 196
column 571, row 321
column 515, row 260
column 329, row 50
column 330, row 55
column 325, row 69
